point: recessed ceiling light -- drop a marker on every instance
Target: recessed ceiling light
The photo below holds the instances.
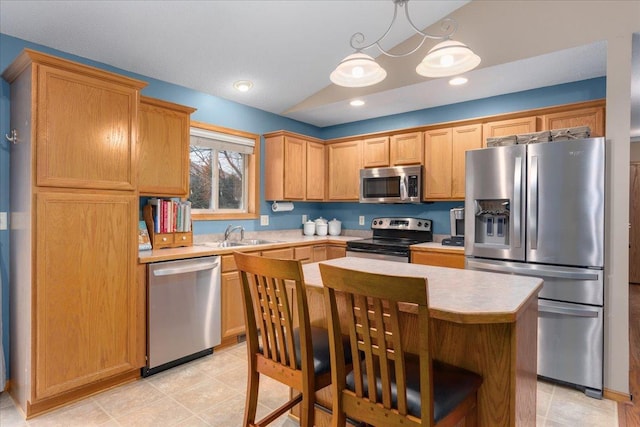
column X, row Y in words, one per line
column 357, row 103
column 243, row 85
column 457, row 81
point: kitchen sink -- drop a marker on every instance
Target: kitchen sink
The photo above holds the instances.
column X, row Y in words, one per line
column 258, row 242
column 234, row 243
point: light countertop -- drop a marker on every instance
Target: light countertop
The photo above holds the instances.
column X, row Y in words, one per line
column 461, row 296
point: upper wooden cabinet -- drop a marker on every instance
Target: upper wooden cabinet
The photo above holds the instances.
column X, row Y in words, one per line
column 345, row 162
column 509, row 127
column 86, row 122
column 592, row 117
column 375, row 152
column 289, row 160
column 406, row 149
column 163, row 147
column 444, row 160
column 316, row 167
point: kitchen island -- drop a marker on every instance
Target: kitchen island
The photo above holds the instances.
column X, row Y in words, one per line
column 484, row 322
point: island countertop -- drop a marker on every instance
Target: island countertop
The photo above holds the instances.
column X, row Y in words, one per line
column 461, row 296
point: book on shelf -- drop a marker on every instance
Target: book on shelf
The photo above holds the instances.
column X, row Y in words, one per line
column 170, row 216
column 144, row 242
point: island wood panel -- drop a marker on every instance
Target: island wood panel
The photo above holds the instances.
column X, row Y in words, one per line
column 499, row 351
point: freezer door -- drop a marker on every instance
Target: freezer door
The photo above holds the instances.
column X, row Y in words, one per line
column 495, row 202
column 578, row 285
column 571, row 344
column 565, row 203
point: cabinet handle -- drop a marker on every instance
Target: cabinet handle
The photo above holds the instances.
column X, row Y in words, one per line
column 164, row 239
column 184, row 237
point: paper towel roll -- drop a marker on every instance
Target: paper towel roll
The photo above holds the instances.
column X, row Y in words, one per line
column 282, row 206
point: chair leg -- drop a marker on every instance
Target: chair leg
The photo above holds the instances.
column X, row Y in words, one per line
column 307, row 407
column 251, row 404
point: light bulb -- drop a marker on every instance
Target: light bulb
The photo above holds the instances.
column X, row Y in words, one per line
column 357, row 72
column 446, row 60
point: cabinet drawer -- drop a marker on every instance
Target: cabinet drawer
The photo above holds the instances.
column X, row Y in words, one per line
column 228, row 263
column 286, row 253
column 304, row 252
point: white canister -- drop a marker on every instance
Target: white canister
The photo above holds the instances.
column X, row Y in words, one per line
column 321, row 229
column 309, row 228
column 335, row 227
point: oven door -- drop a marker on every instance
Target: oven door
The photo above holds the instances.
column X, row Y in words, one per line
column 375, row 255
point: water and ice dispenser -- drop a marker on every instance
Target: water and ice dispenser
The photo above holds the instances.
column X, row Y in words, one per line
column 492, row 221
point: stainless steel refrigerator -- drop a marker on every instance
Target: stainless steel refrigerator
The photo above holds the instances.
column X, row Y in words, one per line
column 538, row 210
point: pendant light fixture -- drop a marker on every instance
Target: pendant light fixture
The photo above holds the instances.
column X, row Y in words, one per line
column 447, row 58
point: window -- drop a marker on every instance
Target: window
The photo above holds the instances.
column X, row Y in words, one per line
column 223, row 177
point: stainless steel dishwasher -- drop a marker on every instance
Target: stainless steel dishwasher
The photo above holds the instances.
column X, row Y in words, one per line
column 183, row 313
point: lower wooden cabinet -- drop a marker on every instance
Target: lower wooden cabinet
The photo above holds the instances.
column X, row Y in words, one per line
column 88, row 307
column 231, row 293
column 453, row 258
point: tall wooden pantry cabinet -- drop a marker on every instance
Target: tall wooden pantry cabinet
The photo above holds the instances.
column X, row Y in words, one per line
column 77, row 316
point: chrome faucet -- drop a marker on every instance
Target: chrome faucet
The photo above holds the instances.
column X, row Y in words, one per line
column 230, row 229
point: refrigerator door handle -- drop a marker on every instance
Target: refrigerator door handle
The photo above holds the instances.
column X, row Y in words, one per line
column 517, row 202
column 546, row 272
column 568, row 311
column 533, row 204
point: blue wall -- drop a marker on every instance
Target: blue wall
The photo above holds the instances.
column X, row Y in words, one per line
column 229, row 114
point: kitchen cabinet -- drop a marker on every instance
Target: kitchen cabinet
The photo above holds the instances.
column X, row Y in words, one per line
column 509, row 127
column 294, row 167
column 76, row 306
column 163, row 147
column 284, row 253
column 336, row 251
column 406, row 149
column 444, row 160
column 315, row 170
column 592, row 117
column 345, row 162
column 375, row 152
column 232, row 314
column 439, row 257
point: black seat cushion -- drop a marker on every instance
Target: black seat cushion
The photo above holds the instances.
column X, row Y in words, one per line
column 321, row 350
column 451, row 385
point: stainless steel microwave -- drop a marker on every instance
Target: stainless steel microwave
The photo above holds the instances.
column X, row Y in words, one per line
column 399, row 184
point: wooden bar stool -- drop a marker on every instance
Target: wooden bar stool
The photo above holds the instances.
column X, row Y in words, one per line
column 389, row 387
column 291, row 352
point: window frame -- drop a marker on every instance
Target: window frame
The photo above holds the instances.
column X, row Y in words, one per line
column 252, row 178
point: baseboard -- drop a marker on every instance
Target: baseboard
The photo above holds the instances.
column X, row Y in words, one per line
column 616, row 396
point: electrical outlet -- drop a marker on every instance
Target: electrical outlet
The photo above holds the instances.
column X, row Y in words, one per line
column 304, row 219
column 3, row 220
column 264, row 219
column 361, row 220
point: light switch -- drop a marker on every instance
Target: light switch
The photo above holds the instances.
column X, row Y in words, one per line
column 304, row 219
column 3, row 220
column 264, row 219
column 361, row 220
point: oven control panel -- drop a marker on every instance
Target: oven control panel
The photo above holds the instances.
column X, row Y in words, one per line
column 394, row 223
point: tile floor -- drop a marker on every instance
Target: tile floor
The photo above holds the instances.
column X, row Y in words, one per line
column 210, row 392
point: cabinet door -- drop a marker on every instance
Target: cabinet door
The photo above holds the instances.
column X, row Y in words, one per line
column 295, row 168
column 336, row 251
column 464, row 138
column 438, row 259
column 592, row 117
column 86, row 128
column 406, row 149
column 285, row 253
column 87, row 304
column 315, row 171
column 509, row 127
column 345, row 161
column 163, row 149
column 232, row 316
column 437, row 164
column 375, row 152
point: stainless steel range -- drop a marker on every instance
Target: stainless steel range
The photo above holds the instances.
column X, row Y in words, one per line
column 392, row 238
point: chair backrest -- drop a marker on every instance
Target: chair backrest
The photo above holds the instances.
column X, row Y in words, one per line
column 372, row 319
column 265, row 283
